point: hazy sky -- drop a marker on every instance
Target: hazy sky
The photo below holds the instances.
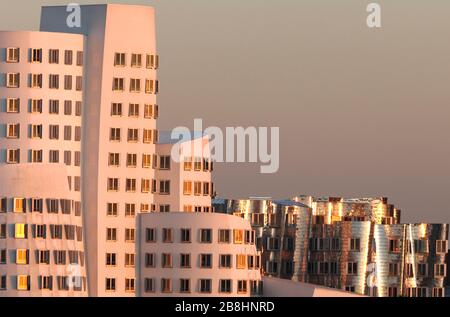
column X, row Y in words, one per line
column 362, row 112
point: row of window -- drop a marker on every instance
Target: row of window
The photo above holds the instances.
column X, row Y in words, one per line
column 205, row 261
column 204, row 286
column 37, row 156
column 148, row 135
column 35, row 55
column 161, row 187
column 35, row 131
column 197, row 164
column 150, row 111
column 44, row 282
column 354, row 244
column 154, row 161
column 112, row 209
column 411, row 270
column 60, row 257
column 21, row 231
column 151, row 85
column 53, row 206
column 236, row 236
column 151, row 61
column 13, row 105
column 37, row 81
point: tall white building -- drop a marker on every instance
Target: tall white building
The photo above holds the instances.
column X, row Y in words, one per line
column 84, row 99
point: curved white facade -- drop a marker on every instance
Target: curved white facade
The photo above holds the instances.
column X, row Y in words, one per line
column 197, row 254
column 41, row 236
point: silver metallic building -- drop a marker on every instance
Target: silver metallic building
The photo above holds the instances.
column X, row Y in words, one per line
column 357, row 245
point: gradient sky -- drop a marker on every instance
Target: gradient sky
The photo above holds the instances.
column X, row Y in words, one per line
column 362, row 112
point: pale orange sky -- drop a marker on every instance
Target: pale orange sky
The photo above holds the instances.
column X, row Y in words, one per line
column 361, row 112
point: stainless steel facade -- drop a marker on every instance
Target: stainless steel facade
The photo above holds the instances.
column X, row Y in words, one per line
column 358, row 245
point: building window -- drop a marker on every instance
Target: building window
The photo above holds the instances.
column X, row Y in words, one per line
column 164, row 187
column 422, row 269
column 355, row 244
column 150, row 260
column 133, row 135
column 224, row 236
column 205, row 285
column 54, row 106
column 147, row 136
column 119, row 59
column 36, row 81
column 79, row 58
column 225, row 261
column 67, row 133
column 67, row 82
column 21, row 256
column 130, row 185
column 146, row 160
column 23, row 283
column 78, row 108
column 111, row 259
column 166, row 260
column 111, row 234
column 53, row 156
column 185, row 260
column 20, row 231
column 116, row 109
column 13, row 80
column 118, row 84
column 53, row 132
column 53, row 56
column 36, row 106
column 241, row 261
column 131, row 160
column 114, row 159
column 149, row 285
column 129, row 259
column 152, row 61
column 53, row 82
column 18, row 205
column 43, row 257
column 167, row 235
column 13, row 156
column 113, row 184
column 238, row 236
column 393, row 269
column 150, row 235
column 441, row 246
column 145, row 208
column 129, row 285
column 136, row 60
column 111, row 209
column 67, row 107
column 13, row 105
column 187, row 188
column 148, row 111
column 185, row 235
column 205, row 235
column 135, row 85
column 185, row 286
column 166, row 285
column 129, row 235
column 68, row 57
column 242, row 287
column 352, row 268
column 13, row 131
column 36, row 55
column 110, row 284
column 197, row 188
column 440, row 270
column 130, row 210
column 12, row 54
column 206, row 261
column 78, row 83
column 225, row 286
column 438, row 292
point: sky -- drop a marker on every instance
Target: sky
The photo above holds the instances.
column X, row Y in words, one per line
column 362, row 112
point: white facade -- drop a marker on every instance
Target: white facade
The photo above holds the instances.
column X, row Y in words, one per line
column 197, row 254
column 41, row 236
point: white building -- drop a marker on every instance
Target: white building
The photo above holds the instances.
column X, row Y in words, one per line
column 197, row 254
